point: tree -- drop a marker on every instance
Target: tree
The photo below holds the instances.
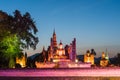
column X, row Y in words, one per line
column 93, row 52
column 5, row 34
column 12, row 48
column 21, row 25
column 25, row 27
column 16, row 32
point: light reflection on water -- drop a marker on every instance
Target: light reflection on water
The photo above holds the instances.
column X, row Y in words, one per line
column 61, row 74
column 59, row 78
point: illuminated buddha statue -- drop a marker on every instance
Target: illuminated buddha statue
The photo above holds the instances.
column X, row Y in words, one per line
column 60, row 51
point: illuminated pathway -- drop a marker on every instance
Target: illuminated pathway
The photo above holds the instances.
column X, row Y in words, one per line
column 103, row 72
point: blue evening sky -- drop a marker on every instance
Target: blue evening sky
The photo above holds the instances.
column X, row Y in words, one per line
column 94, row 23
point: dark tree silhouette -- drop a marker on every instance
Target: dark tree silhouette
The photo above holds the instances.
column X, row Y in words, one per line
column 25, row 27
column 22, row 25
column 18, row 31
column 93, row 51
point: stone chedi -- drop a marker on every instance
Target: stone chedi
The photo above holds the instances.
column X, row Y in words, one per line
column 22, row 60
column 104, row 60
column 57, row 52
column 89, row 57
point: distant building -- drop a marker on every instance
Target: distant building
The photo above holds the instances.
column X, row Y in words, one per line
column 104, row 60
column 89, row 58
column 118, row 58
column 22, row 60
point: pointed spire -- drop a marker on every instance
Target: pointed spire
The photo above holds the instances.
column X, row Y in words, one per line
column 106, row 50
column 54, row 39
column 54, row 32
column 54, row 29
column 106, row 55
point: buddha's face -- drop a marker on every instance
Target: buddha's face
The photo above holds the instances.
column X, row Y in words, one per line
column 60, row 47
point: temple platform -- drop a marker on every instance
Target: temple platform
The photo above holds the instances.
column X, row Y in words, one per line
column 62, row 63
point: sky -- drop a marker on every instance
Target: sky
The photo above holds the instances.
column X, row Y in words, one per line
column 94, row 23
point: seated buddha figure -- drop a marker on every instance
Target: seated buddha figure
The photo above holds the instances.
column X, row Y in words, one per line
column 60, row 51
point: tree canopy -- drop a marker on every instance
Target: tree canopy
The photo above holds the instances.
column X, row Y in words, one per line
column 17, row 32
column 25, row 28
column 22, row 25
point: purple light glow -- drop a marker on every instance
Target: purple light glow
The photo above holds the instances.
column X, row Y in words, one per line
column 103, row 72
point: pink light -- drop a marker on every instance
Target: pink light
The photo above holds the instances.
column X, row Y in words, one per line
column 101, row 72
